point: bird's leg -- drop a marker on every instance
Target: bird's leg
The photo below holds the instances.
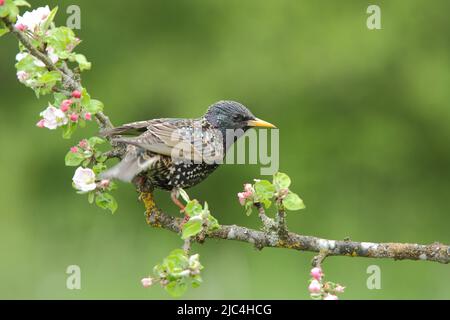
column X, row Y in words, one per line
column 174, row 196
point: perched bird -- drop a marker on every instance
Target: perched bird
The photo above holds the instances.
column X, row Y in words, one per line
column 180, row 153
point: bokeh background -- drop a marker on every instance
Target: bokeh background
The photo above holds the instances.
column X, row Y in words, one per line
column 365, row 135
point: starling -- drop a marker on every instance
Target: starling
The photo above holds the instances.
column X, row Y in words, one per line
column 179, row 153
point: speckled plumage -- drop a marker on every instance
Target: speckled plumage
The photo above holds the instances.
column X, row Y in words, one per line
column 177, row 153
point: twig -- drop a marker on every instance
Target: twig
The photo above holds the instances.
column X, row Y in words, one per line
column 320, row 258
column 281, row 224
column 268, row 223
column 187, row 246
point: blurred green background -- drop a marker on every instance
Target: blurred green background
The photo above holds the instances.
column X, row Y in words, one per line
column 365, row 135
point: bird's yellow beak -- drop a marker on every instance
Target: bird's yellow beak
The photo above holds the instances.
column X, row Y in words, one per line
column 260, row 124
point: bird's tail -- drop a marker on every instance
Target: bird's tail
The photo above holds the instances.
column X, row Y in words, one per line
column 135, row 162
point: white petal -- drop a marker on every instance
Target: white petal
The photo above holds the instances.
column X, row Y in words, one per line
column 20, row 56
column 52, row 125
column 39, row 63
column 84, row 180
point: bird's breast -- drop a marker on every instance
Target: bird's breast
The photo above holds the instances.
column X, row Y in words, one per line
column 168, row 174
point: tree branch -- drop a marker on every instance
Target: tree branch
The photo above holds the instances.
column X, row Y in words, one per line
column 436, row 252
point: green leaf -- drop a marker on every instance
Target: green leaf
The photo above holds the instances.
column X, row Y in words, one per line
column 176, row 288
column 27, row 64
column 178, row 254
column 196, row 281
column 193, row 208
column 107, row 202
column 82, row 62
column 99, row 168
column 267, row 203
column 4, row 12
column 248, row 208
column 264, row 189
column 94, row 106
column 50, row 19
column 213, row 224
column 95, row 141
column 9, row 9
column 59, row 97
column 50, row 79
column 100, row 157
column 292, row 202
column 193, row 227
column 85, row 97
column 74, row 159
column 13, row 12
column 60, row 39
column 3, row 31
column 86, row 163
column 22, row 3
column 91, row 197
column 69, row 129
column 281, row 181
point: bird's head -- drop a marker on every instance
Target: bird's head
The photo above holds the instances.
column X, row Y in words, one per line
column 233, row 115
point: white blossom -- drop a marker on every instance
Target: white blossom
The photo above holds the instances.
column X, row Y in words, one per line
column 147, row 282
column 22, row 76
column 54, row 118
column 22, row 55
column 84, row 180
column 52, row 55
column 32, row 20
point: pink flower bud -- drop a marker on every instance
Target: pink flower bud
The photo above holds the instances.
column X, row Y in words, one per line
column 330, row 297
column 339, row 289
column 242, row 198
column 76, row 94
column 83, row 144
column 74, row 117
column 248, row 188
column 41, row 123
column 105, row 184
column 247, row 194
column 22, row 76
column 21, row 27
column 316, row 273
column 2, row 2
column 315, row 287
column 65, row 105
column 147, row 282
column 87, row 116
column 74, row 150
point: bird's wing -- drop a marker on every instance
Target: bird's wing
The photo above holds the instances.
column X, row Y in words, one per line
column 130, row 129
column 182, row 139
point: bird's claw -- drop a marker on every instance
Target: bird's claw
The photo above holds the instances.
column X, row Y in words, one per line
column 185, row 220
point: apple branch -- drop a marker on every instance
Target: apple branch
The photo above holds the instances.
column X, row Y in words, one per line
column 436, row 252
